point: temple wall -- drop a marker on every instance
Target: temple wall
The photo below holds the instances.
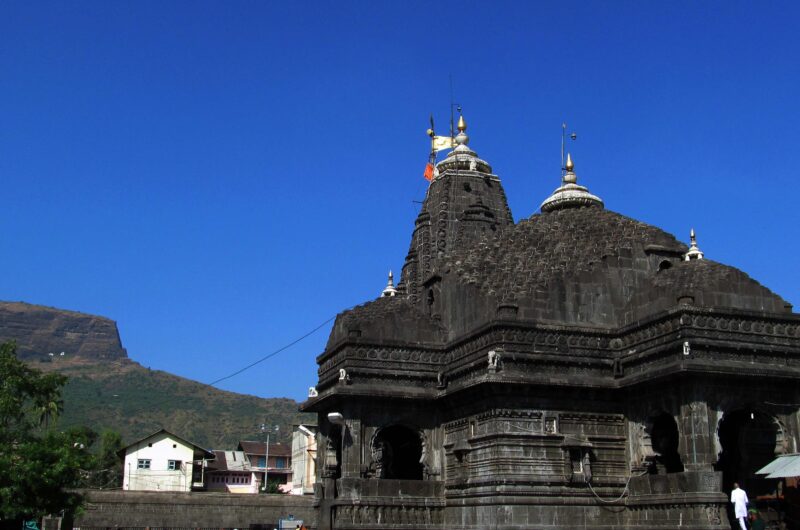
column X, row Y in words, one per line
column 128, row 509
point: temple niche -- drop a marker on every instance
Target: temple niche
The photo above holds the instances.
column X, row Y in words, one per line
column 577, row 369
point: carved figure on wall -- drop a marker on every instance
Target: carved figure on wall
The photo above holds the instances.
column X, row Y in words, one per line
column 643, row 456
column 550, row 425
column 428, row 470
column 381, row 458
column 331, row 460
column 587, row 467
column 494, row 360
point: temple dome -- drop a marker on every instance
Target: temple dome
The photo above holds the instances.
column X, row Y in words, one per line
column 591, row 266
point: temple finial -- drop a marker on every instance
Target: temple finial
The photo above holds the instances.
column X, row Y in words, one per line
column 694, row 251
column 461, row 138
column 570, row 194
column 390, row 289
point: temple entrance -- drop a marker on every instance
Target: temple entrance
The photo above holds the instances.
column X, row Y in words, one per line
column 664, row 438
column 748, row 441
column 397, row 452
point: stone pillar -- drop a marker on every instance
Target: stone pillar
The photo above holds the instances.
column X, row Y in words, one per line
column 351, row 449
column 697, row 436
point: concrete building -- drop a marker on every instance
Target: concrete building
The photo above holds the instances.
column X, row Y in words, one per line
column 275, row 465
column 578, row 369
column 163, row 461
column 304, row 458
column 231, row 472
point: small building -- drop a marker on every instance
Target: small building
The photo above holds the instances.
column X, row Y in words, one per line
column 276, row 463
column 304, row 458
column 164, row 461
column 231, row 472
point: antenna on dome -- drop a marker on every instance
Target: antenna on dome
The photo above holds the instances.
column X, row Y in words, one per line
column 453, row 105
column 572, row 136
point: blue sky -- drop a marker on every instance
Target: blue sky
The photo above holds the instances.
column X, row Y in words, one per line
column 222, row 177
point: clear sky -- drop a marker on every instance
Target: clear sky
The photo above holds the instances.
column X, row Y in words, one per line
column 222, row 177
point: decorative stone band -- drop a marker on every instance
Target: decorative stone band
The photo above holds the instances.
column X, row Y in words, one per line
column 464, row 162
column 605, row 359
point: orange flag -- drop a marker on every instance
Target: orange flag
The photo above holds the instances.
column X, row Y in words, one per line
column 428, row 172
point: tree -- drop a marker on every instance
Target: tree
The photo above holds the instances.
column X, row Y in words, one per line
column 107, row 469
column 37, row 464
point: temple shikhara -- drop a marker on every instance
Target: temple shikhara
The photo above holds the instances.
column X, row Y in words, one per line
column 577, row 369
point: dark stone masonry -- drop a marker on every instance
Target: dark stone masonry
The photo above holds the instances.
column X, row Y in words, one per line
column 578, row 369
column 151, row 509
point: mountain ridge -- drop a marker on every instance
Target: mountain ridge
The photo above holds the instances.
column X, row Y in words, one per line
column 108, row 390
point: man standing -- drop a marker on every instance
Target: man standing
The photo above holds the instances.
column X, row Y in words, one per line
column 739, row 500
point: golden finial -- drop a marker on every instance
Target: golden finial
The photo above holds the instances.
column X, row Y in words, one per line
column 462, row 125
column 569, row 166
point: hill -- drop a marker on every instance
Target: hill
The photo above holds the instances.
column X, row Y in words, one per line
column 124, row 396
column 107, row 390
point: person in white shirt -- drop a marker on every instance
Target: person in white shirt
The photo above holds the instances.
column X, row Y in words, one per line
column 739, row 500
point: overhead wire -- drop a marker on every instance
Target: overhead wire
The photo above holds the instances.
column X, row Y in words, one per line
column 240, row 370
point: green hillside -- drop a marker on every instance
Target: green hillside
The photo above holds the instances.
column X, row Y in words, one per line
column 127, row 397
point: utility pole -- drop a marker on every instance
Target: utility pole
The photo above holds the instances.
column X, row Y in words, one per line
column 268, row 430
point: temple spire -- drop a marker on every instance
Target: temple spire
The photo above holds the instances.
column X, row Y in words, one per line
column 694, row 251
column 390, row 289
column 570, row 194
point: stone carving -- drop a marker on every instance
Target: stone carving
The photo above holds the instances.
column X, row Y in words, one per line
column 643, row 455
column 381, row 458
column 551, row 425
column 312, row 392
column 343, row 376
column 712, row 514
column 331, row 461
column 495, row 359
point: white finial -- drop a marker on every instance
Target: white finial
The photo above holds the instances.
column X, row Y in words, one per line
column 570, row 194
column 390, row 289
column 694, row 252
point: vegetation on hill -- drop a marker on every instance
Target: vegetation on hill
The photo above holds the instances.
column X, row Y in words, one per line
column 123, row 396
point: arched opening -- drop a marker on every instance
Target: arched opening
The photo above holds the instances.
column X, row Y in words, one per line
column 397, row 451
column 664, row 265
column 664, row 437
column 748, row 440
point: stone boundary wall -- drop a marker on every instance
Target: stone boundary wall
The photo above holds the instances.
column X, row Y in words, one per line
column 146, row 509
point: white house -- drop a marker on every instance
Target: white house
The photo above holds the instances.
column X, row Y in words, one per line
column 164, row 461
column 304, row 457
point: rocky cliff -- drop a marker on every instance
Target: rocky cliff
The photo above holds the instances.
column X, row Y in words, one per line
column 40, row 330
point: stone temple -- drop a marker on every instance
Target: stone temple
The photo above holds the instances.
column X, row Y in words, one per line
column 578, row 369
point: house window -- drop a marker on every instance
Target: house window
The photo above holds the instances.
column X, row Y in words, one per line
column 143, row 463
column 173, row 465
column 280, row 462
column 262, row 461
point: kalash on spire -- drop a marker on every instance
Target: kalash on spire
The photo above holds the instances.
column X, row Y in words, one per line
column 441, row 143
column 464, row 201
